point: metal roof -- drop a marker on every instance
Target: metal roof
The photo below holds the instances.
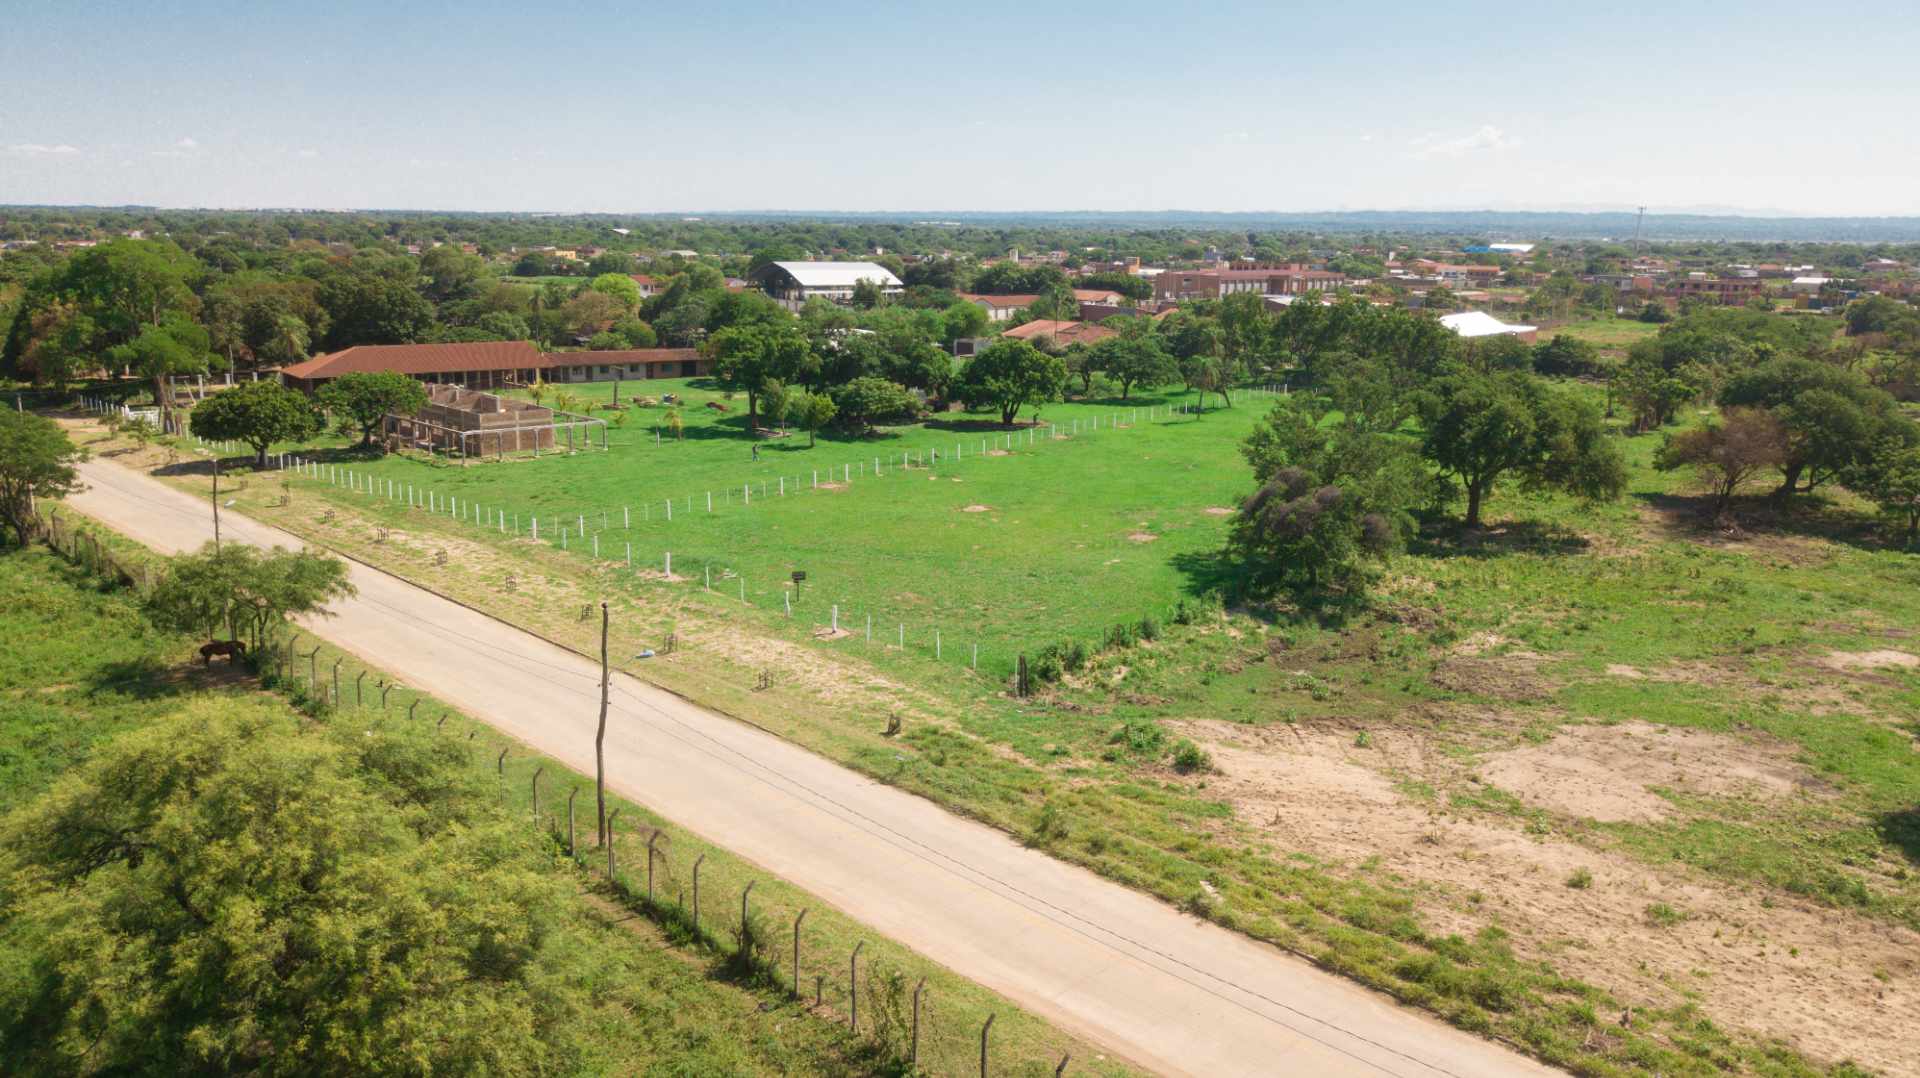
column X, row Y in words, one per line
column 1480, row 324
column 839, row 274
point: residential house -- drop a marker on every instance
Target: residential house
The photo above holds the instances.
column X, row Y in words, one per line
column 1000, row 308
column 492, row 364
column 1725, row 291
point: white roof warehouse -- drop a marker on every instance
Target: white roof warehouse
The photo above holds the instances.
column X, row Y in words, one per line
column 793, row 283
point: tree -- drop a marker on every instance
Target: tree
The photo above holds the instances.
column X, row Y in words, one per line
column 246, row 590
column 1891, row 477
column 60, row 343
column 1831, row 416
column 1009, row 374
column 1728, row 454
column 1133, row 361
column 620, row 287
column 1330, row 495
column 1567, row 356
column 1130, row 287
column 361, row 399
column 810, row 412
column 451, row 274
column 868, row 400
column 229, row 891
column 36, row 461
column 172, row 348
column 774, row 396
column 364, row 308
column 1481, row 428
column 867, row 294
column 745, row 356
column 676, row 425
column 257, row 413
column 963, row 320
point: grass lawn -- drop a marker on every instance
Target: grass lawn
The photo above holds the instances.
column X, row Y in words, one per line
column 1611, row 335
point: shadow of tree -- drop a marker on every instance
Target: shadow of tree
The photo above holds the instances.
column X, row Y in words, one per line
column 1901, row 830
column 1450, row 539
column 1806, row 516
column 1218, row 573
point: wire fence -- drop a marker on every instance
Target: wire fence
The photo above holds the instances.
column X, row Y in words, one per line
column 702, row 898
column 605, row 537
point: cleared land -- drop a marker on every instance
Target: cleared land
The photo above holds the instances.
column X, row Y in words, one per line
column 1632, row 792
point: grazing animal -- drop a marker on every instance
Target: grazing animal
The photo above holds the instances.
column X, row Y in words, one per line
column 718, row 406
column 232, row 649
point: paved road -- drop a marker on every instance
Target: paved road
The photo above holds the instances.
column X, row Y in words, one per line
column 1119, row 968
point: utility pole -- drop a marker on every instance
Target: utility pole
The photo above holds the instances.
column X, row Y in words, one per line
column 600, row 737
column 216, row 504
column 1636, row 230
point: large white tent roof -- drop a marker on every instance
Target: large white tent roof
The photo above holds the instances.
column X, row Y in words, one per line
column 1480, row 324
column 839, row 274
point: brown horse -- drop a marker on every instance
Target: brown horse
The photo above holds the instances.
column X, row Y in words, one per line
column 232, row 649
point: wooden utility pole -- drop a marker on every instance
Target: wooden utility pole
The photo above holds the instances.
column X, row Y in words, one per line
column 600, row 736
column 216, row 504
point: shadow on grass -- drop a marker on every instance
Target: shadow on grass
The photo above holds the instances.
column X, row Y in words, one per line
column 1451, row 539
column 1901, row 830
column 1215, row 573
column 1758, row 518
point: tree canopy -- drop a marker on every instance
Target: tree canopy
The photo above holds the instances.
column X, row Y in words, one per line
column 257, row 413
column 1483, row 427
column 1008, row 375
column 360, row 400
column 36, row 461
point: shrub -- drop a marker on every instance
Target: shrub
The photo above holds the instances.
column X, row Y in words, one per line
column 1189, row 757
column 1045, row 665
column 1184, row 613
column 1661, row 915
column 1120, row 636
column 1148, row 629
column 1581, row 879
column 1073, row 655
column 1050, row 826
column 1140, row 737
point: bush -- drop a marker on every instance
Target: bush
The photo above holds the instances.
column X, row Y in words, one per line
column 1184, row 613
column 1148, row 629
column 1581, row 879
column 1120, row 636
column 1050, row 826
column 1073, row 655
column 1140, row 737
column 1189, row 757
column 1045, row 664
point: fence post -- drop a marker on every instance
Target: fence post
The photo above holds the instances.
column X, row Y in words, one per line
column 500, row 763
column 651, row 839
column 913, row 1052
column 411, row 708
column 853, row 988
column 359, row 694
column 611, row 817
column 745, row 938
column 1062, row 1068
column 573, row 835
column 984, row 1030
column 796, row 952
column 536, row 791
column 384, row 690
column 442, row 722
column 696, row 894
column 336, row 679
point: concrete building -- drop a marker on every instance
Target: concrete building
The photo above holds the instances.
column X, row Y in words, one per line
column 479, row 365
column 472, row 423
column 999, row 308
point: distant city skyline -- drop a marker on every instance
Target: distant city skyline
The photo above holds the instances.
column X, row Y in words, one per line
column 997, row 108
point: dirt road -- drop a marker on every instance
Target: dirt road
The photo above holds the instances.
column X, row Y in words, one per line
column 1121, row 969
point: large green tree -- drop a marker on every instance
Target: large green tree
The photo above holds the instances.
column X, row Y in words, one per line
column 257, row 413
column 232, row 891
column 1831, row 416
column 246, row 590
column 1482, row 428
column 1008, row 375
column 1133, row 361
column 36, row 461
column 173, row 348
column 745, row 356
column 360, row 400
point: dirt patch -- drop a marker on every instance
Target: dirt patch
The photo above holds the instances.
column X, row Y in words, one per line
column 828, row 632
column 998, row 453
column 835, row 487
column 1142, row 537
column 1767, row 962
column 1870, row 660
column 1609, row 773
column 1632, row 673
column 977, row 508
column 1511, row 676
column 1218, row 511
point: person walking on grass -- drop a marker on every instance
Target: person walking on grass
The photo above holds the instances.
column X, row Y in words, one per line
column 756, row 452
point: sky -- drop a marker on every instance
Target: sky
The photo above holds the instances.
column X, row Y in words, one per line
column 641, row 107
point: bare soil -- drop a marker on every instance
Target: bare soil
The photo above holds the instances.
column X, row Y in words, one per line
column 1808, row 974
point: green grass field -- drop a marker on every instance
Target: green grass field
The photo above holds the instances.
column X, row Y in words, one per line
column 1611, row 335
column 1005, row 539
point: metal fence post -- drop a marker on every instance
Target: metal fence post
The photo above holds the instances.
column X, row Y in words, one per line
column 615, row 815
column 651, row 839
column 359, row 694
column 984, row 1030
column 573, row 835
column 913, row 1052
column 696, row 894
column 853, row 988
column 536, row 792
column 796, row 952
column 744, row 938
column 336, row 679
column 1062, row 1068
column 500, row 764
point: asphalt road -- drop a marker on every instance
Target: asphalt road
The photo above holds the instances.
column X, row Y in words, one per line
column 1128, row 972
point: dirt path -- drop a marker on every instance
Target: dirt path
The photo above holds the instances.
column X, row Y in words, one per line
column 1119, row 968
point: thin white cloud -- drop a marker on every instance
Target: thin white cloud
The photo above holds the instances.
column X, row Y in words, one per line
column 307, row 154
column 1366, row 138
column 168, row 153
column 186, row 143
column 1238, row 136
column 35, row 149
column 1482, row 139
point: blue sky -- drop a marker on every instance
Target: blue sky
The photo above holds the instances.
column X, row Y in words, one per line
column 984, row 106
